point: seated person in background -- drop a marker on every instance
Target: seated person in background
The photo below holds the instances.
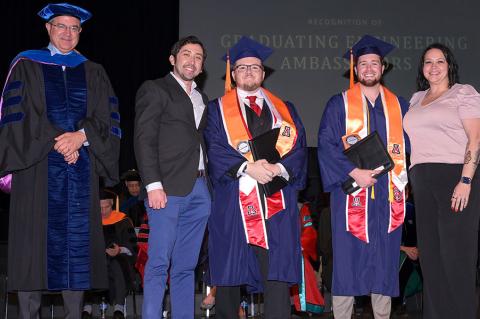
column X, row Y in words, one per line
column 131, row 203
column 142, row 244
column 410, row 276
column 306, row 295
column 121, row 252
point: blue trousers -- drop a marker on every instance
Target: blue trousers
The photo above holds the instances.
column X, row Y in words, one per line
column 176, row 234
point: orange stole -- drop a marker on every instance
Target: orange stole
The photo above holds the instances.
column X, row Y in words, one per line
column 357, row 205
column 238, row 136
column 114, row 217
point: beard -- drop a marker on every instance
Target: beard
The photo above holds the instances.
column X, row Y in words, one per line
column 250, row 84
column 250, row 87
column 369, row 82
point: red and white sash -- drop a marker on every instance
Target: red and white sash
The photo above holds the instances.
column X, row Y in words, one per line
column 238, row 135
column 356, row 111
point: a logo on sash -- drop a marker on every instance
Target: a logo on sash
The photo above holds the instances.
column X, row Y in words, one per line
column 251, row 211
column 243, row 147
column 397, row 194
column 352, row 139
column 356, row 202
column 396, row 149
column 286, row 131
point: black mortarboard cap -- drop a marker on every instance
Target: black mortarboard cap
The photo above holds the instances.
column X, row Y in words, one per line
column 106, row 193
column 131, row 175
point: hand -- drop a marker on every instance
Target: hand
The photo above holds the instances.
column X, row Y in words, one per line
column 69, row 142
column 157, row 199
column 277, row 171
column 364, row 177
column 112, row 252
column 460, row 196
column 412, row 252
column 72, row 159
column 258, row 172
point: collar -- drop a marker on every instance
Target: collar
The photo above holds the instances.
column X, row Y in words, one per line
column 53, row 50
column 243, row 94
column 183, row 85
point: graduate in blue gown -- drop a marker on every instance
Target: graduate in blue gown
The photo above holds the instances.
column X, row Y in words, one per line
column 255, row 244
column 366, row 255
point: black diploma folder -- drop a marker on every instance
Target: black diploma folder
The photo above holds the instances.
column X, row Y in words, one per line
column 368, row 153
column 263, row 147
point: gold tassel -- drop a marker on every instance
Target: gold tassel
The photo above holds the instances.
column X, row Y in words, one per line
column 351, row 69
column 228, row 79
column 390, row 193
column 117, row 205
column 372, row 193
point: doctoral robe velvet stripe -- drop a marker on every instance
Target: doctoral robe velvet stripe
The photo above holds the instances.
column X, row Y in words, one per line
column 68, row 254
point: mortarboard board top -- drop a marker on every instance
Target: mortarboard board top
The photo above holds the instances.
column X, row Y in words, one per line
column 131, row 175
column 246, row 47
column 52, row 10
column 106, row 193
column 368, row 44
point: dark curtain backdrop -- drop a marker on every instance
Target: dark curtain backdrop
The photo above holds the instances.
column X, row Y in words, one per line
column 131, row 39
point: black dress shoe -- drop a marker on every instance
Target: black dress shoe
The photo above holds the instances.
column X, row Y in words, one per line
column 86, row 315
column 118, row 315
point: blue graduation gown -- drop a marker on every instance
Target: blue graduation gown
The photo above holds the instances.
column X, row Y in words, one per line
column 232, row 261
column 358, row 268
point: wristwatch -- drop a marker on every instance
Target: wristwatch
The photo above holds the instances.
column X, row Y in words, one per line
column 466, row 180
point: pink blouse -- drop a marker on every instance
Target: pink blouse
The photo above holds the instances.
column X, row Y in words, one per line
column 435, row 130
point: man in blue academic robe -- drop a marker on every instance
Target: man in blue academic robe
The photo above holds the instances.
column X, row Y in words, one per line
column 59, row 133
column 254, row 240
column 365, row 225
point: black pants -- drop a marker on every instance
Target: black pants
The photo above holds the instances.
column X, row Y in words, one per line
column 447, row 241
column 117, row 281
column 276, row 296
column 30, row 302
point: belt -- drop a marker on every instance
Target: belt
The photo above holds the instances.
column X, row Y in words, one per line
column 201, row 173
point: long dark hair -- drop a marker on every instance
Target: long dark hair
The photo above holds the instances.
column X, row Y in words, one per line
column 422, row 83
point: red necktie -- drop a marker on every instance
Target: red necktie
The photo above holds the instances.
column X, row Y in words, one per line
column 253, row 105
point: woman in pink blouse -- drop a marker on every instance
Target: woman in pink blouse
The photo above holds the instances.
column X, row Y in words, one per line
column 443, row 124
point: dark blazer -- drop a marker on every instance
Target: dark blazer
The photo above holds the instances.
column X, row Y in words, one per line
column 167, row 142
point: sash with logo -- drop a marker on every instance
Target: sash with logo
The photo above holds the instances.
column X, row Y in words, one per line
column 233, row 117
column 356, row 111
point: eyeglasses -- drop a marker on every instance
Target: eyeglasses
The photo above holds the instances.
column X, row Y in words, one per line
column 63, row 28
column 252, row 67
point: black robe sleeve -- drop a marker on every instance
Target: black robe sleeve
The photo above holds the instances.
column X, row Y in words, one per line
column 102, row 124
column 128, row 238
column 26, row 135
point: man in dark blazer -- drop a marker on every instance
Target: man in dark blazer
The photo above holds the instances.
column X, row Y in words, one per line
column 170, row 152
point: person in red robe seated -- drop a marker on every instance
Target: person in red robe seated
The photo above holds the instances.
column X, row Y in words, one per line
column 306, row 295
